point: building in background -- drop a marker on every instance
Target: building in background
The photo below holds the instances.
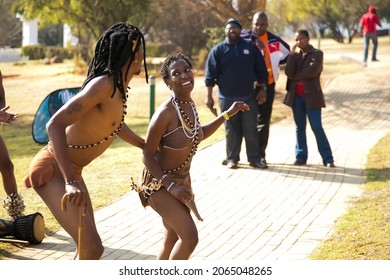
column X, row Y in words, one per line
column 30, row 31
column 69, row 39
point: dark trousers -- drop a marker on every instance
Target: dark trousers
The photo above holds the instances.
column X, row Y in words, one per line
column 264, row 119
column 374, row 38
column 242, row 125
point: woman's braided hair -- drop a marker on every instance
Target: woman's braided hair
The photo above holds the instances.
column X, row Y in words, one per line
column 113, row 49
column 171, row 58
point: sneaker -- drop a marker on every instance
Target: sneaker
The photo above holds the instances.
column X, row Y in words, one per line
column 232, row 164
column 330, row 165
column 299, row 162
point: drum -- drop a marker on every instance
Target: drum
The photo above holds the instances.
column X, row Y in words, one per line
column 30, row 228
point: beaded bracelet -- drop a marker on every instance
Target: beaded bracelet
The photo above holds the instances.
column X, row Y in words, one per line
column 72, row 182
column 225, row 115
column 170, row 186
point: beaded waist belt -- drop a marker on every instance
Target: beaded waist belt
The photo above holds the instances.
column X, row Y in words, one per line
column 147, row 189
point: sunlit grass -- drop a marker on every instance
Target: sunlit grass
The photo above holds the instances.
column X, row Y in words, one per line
column 363, row 233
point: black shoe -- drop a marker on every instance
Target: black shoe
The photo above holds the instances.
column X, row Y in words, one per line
column 224, row 162
column 258, row 164
column 264, row 162
column 299, row 162
column 232, row 164
column 330, row 165
column 375, row 60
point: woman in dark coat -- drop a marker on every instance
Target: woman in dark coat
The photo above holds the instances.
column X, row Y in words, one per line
column 306, row 98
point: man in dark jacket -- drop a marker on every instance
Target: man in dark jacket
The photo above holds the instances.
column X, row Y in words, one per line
column 237, row 66
column 306, row 98
column 275, row 52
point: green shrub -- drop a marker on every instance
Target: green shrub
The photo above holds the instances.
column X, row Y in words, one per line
column 41, row 52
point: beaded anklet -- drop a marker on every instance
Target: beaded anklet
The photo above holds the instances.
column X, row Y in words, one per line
column 14, row 205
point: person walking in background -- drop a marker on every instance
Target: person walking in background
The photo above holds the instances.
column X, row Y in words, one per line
column 306, row 98
column 171, row 142
column 275, row 52
column 238, row 68
column 13, row 202
column 76, row 140
column 368, row 23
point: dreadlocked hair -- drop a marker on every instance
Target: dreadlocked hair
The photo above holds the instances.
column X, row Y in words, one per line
column 113, row 49
column 171, row 58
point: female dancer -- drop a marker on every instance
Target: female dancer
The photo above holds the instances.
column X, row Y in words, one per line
column 76, row 140
column 171, row 141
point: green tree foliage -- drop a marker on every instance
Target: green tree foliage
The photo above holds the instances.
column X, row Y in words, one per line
column 180, row 27
column 94, row 16
column 10, row 26
column 187, row 24
column 88, row 18
column 178, row 23
column 340, row 18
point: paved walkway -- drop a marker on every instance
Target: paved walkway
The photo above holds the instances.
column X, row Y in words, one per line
column 282, row 213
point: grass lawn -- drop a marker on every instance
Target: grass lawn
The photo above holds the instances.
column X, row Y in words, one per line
column 363, row 233
column 108, row 177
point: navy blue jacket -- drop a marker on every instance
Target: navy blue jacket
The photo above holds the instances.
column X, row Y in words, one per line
column 235, row 69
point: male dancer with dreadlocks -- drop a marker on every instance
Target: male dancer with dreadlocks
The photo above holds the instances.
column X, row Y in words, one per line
column 76, row 140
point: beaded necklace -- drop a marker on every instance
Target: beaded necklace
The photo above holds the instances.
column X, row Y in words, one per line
column 115, row 133
column 190, row 130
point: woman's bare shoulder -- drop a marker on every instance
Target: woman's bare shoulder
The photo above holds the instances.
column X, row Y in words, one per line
column 164, row 114
column 166, row 108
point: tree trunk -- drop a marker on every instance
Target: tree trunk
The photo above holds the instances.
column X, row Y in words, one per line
column 261, row 5
column 246, row 6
